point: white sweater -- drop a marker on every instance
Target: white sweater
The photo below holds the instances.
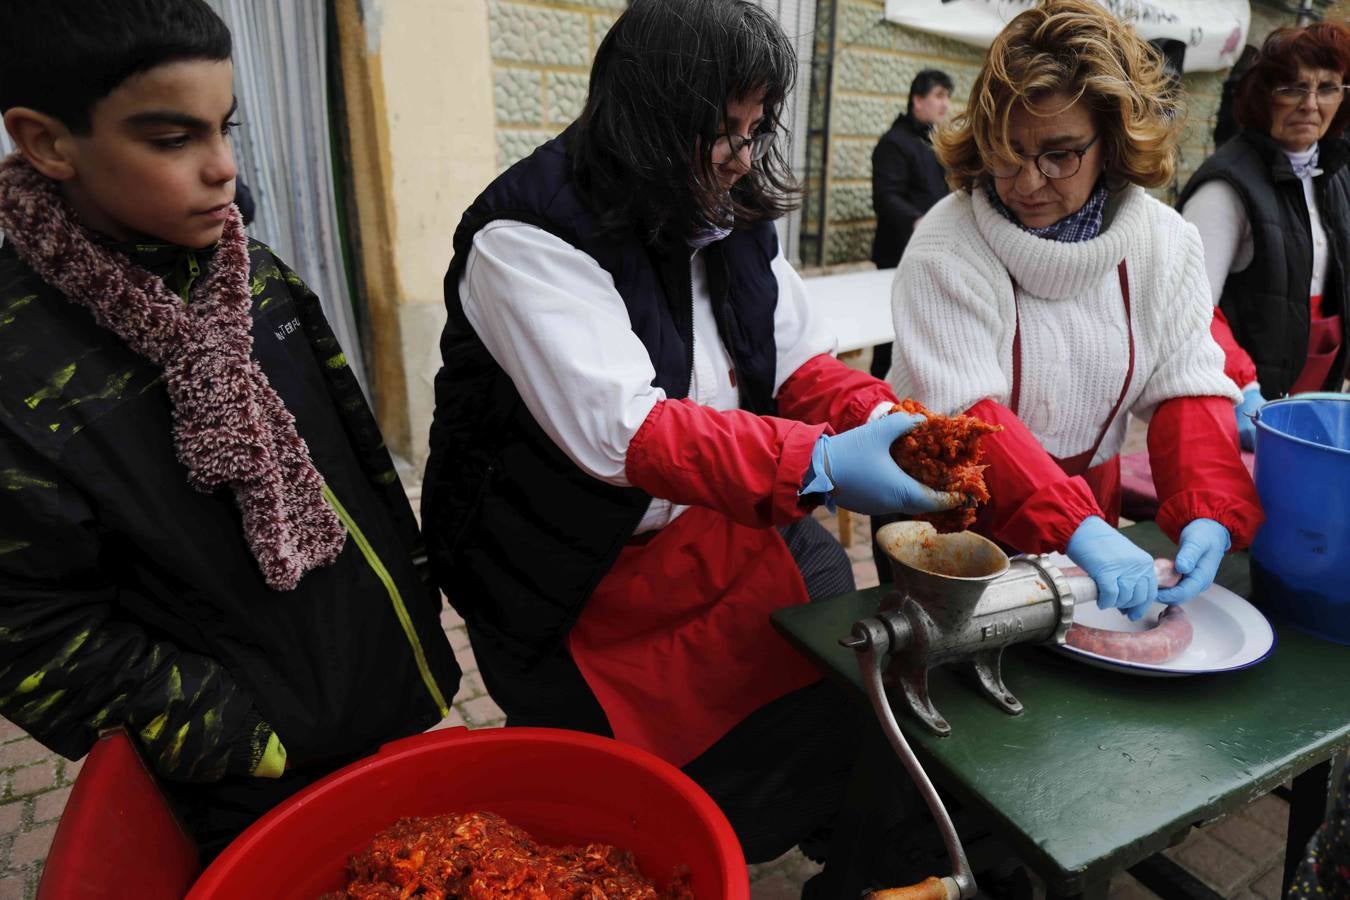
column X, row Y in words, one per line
column 954, row 313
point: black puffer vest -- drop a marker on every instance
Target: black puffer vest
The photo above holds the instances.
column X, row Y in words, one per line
column 1267, row 303
column 519, row 535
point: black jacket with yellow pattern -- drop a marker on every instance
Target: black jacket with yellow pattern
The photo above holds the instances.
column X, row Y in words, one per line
column 127, row 598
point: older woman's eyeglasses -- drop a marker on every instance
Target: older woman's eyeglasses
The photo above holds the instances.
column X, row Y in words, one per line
column 1328, row 94
column 732, row 145
column 1052, row 163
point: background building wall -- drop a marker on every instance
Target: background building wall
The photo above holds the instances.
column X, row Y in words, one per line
column 417, row 81
column 541, row 61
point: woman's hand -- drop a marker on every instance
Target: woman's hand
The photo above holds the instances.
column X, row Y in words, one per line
column 1203, row 544
column 1124, row 573
column 855, row 470
column 1246, row 426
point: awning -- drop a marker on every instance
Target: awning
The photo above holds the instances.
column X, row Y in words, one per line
column 1213, row 31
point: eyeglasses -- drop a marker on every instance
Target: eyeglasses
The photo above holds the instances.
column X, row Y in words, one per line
column 1296, row 94
column 1052, row 163
column 732, row 144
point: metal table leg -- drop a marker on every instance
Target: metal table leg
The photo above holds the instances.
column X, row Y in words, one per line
column 1307, row 810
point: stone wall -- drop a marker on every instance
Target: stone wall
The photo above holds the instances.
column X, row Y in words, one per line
column 874, row 62
column 541, row 60
column 867, row 78
column 542, row 49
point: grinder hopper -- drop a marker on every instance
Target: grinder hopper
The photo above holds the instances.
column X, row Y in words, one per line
column 958, row 598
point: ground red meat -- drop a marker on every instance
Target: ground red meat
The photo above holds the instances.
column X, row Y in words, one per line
column 481, row 856
column 944, row 453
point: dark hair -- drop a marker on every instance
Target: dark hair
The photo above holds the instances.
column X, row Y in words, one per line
column 1324, row 45
column 923, row 85
column 642, row 147
column 61, row 57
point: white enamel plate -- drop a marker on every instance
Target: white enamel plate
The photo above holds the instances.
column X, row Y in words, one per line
column 1229, row 634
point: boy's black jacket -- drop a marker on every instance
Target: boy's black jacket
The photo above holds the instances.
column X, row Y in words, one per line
column 129, row 598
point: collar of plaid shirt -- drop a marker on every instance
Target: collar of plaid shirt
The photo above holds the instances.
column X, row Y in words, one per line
column 1083, row 225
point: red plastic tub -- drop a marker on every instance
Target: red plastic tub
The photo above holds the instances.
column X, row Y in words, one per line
column 563, row 787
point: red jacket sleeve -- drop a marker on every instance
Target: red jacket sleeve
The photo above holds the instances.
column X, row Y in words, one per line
column 1034, row 506
column 1193, row 449
column 745, row 466
column 825, row 390
column 1237, row 363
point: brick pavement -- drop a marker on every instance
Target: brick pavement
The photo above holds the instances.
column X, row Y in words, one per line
column 1240, row 856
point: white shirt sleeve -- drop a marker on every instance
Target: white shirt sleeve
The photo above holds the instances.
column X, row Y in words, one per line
column 1216, row 210
column 799, row 331
column 553, row 320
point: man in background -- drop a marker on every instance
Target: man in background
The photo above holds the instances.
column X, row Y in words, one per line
column 907, row 179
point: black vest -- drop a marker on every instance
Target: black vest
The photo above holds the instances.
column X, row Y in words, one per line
column 520, row 536
column 1267, row 303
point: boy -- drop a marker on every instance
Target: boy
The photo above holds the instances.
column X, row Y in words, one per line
column 202, row 537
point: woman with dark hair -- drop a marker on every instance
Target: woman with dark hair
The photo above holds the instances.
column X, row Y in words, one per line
column 1055, row 297
column 636, row 413
column 1273, row 209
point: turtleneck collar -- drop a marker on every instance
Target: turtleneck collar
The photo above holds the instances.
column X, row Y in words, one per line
column 1054, row 270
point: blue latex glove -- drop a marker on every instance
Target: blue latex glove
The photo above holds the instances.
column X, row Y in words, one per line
column 1203, row 544
column 1251, row 402
column 1124, row 573
column 855, row 470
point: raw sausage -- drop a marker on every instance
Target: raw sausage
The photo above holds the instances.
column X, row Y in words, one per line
column 1165, row 641
column 1166, row 572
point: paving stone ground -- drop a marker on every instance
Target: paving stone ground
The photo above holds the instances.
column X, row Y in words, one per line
column 1240, row 856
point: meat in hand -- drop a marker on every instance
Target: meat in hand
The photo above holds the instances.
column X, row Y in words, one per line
column 944, row 453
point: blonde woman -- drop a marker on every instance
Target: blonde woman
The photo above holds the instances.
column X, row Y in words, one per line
column 1050, row 294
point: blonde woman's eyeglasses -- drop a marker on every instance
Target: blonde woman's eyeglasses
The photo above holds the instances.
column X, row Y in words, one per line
column 1052, row 163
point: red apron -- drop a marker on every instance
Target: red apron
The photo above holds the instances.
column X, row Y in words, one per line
column 1324, row 342
column 676, row 642
column 1103, row 479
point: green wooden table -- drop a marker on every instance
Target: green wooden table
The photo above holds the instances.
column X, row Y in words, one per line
column 1104, row 769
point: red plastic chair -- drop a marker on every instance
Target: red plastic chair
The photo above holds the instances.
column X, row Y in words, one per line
column 118, row 837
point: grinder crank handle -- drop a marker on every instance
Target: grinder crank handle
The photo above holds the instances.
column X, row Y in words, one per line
column 931, row 888
column 871, row 640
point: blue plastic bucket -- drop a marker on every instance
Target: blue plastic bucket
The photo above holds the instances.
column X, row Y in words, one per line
column 1301, row 556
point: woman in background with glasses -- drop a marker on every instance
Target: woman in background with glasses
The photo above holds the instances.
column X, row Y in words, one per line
column 1050, row 294
column 1273, row 209
column 636, row 414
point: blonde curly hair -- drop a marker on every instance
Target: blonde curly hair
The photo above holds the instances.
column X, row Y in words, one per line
column 1075, row 48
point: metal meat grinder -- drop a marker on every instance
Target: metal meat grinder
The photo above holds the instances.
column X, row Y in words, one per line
column 957, row 598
